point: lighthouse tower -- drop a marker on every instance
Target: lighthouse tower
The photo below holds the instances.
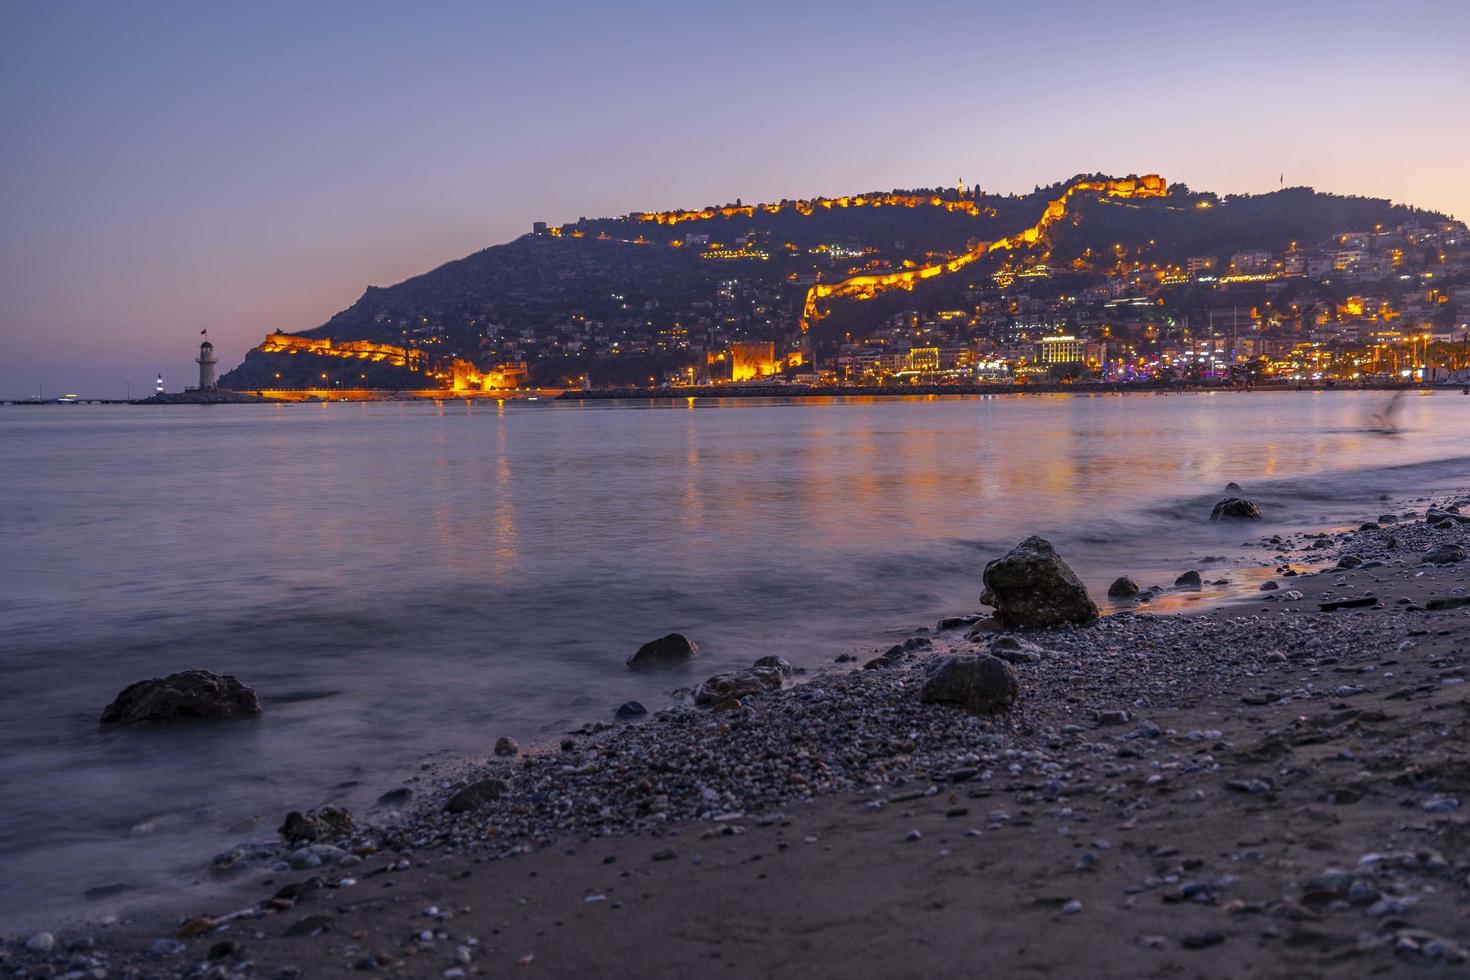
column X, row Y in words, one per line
column 206, row 361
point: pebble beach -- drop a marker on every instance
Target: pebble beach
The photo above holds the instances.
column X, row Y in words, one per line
column 1269, row 787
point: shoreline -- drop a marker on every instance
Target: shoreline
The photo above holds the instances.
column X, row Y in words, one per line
column 839, row 754
column 717, row 392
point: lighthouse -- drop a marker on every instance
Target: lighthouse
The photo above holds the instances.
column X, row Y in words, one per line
column 206, row 361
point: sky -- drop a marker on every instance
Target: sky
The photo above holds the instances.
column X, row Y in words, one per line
column 247, row 167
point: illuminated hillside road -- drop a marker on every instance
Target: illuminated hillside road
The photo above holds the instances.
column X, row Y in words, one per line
column 865, row 287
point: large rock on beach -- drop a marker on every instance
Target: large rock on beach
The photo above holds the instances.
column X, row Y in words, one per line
column 1032, row 588
column 666, row 651
column 983, row 685
column 744, row 683
column 1435, row 515
column 1445, row 554
column 1189, row 580
column 1235, row 509
column 186, row 696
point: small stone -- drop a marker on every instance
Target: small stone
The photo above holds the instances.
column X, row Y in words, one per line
column 41, row 942
column 474, row 795
column 1072, row 907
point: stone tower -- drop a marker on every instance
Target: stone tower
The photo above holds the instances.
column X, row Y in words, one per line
column 206, row 362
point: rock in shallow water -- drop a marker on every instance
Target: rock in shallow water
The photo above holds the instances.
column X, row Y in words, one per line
column 188, row 695
column 505, row 745
column 982, row 685
column 1189, row 580
column 1235, row 509
column 630, row 709
column 1123, row 587
column 666, row 651
column 1032, row 588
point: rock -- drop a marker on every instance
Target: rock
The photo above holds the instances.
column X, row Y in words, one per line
column 1123, row 587
column 396, row 797
column 41, row 942
column 1445, row 554
column 1016, row 650
column 982, row 685
column 227, row 862
column 313, row 825
column 630, row 709
column 891, row 657
column 474, row 795
column 1355, row 602
column 1235, row 509
column 733, row 684
column 1388, row 519
column 505, row 745
column 953, row 623
column 1189, row 580
column 1032, row 588
column 1232, row 487
column 780, row 663
column 666, row 651
column 188, row 695
column 1117, row 717
column 1349, row 561
column 1434, row 515
column 1269, row 586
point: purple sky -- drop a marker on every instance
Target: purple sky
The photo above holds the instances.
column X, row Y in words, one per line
column 254, row 166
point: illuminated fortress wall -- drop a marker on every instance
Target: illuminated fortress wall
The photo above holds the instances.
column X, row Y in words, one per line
column 454, row 373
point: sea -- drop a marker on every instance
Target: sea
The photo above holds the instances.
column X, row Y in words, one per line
column 403, row 583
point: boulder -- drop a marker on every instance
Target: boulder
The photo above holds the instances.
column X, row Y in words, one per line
column 1123, row 587
column 1436, row 516
column 1388, row 518
column 474, row 795
column 1032, row 588
column 1445, row 554
column 734, row 684
column 981, row 685
column 1232, row 487
column 666, row 651
column 1235, row 509
column 188, row 695
column 505, row 745
column 1189, row 580
column 1349, row 561
column 325, row 823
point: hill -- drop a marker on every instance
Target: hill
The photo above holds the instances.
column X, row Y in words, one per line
column 627, row 298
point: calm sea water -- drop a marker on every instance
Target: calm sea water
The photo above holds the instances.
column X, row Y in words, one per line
column 399, row 581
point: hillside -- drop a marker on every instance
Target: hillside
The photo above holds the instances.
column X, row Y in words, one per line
column 620, row 298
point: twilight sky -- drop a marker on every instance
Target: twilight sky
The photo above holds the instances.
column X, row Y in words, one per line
column 253, row 166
